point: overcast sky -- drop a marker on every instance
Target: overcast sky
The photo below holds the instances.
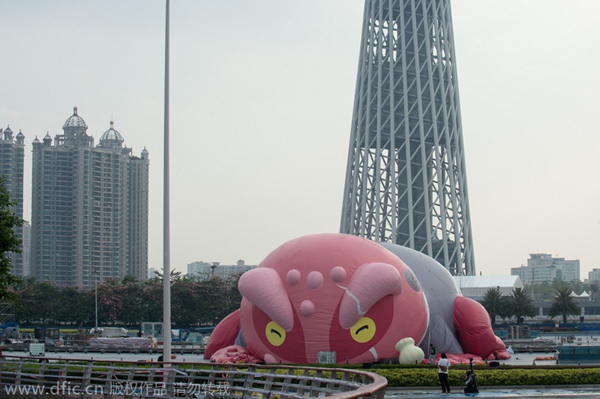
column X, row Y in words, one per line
column 261, row 104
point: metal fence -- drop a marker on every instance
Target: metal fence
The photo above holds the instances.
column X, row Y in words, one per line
column 85, row 378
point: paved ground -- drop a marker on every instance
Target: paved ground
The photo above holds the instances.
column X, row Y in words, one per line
column 501, row 393
column 533, row 392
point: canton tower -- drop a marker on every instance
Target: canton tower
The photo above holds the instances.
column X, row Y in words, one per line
column 406, row 175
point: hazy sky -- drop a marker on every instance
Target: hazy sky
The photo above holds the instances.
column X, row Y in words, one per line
column 261, row 104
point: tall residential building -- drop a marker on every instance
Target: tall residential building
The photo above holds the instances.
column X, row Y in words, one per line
column 89, row 208
column 12, row 159
column 138, row 214
column 406, row 176
column 544, row 268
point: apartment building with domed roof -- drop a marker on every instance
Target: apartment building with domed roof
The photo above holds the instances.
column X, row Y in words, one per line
column 12, row 155
column 89, row 214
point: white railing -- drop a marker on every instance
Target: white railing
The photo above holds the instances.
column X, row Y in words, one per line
column 87, row 378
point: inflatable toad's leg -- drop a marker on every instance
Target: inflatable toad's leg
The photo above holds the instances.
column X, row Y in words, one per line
column 474, row 330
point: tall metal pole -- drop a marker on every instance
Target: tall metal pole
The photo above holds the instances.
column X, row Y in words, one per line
column 166, row 216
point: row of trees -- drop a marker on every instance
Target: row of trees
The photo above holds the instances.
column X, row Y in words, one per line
column 520, row 305
column 201, row 301
column 546, row 291
column 128, row 302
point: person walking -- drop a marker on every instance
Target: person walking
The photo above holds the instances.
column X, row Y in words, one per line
column 443, row 367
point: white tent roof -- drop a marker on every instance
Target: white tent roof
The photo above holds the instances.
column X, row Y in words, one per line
column 488, row 281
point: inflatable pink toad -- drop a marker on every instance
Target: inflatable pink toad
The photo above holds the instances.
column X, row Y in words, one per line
column 345, row 294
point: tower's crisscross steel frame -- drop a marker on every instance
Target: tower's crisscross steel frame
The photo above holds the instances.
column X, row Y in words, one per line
column 406, row 178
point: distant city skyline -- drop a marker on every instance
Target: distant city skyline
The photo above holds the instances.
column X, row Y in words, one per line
column 261, row 105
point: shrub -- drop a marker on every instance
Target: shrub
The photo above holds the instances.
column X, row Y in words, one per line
column 420, row 376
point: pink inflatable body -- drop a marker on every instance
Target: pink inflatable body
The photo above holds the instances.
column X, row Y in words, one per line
column 323, row 293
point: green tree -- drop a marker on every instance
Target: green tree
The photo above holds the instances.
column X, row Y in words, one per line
column 563, row 304
column 132, row 312
column 544, row 291
column 232, row 298
column 186, row 302
column 559, row 284
column 72, row 306
column 9, row 241
column 210, row 292
column 492, row 302
column 45, row 303
column 175, row 276
column 520, row 304
column 110, row 301
column 42, row 303
column 505, row 312
column 26, row 292
column 577, row 286
column 152, row 307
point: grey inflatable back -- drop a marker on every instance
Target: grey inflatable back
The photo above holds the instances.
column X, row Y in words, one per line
column 440, row 290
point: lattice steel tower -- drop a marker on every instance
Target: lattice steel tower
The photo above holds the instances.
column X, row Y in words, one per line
column 406, row 176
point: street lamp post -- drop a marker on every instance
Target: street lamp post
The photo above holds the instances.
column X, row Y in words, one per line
column 166, row 211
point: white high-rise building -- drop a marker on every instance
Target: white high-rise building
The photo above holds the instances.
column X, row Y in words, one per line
column 544, row 268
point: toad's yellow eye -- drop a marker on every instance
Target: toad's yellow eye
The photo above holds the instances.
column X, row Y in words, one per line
column 275, row 334
column 364, row 330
